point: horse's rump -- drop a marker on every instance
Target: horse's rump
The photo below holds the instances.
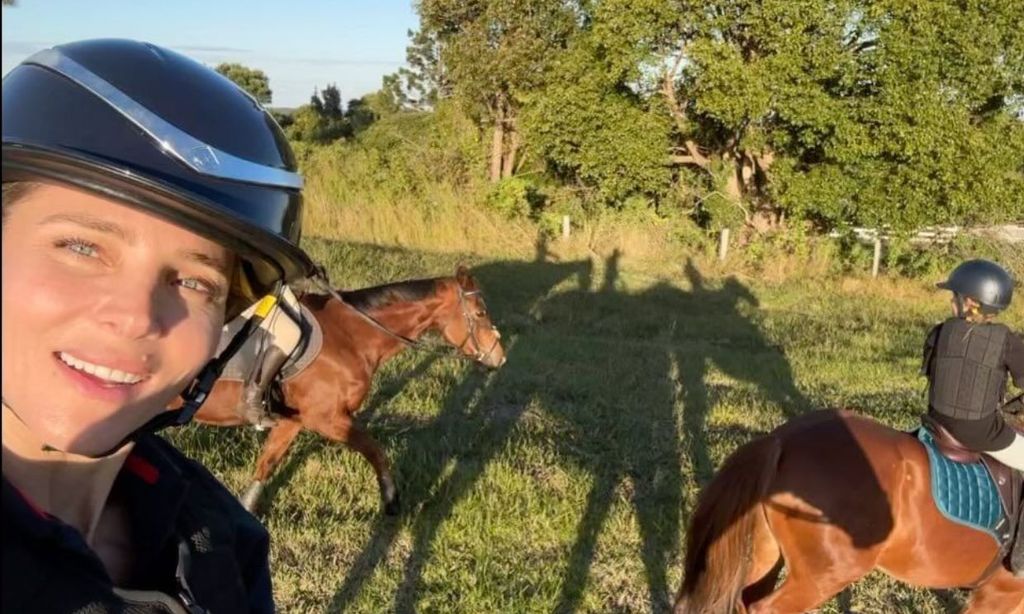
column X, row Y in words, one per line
column 840, row 495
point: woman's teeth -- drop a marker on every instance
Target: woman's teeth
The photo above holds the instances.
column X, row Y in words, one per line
column 107, row 374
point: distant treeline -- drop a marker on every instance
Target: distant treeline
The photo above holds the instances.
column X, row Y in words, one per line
column 732, row 112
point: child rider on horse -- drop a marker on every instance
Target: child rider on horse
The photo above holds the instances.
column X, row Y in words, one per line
column 967, row 359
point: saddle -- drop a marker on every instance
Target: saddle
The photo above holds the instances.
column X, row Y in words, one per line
column 1008, row 483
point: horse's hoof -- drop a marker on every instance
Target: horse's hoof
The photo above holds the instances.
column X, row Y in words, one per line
column 251, row 496
column 392, row 507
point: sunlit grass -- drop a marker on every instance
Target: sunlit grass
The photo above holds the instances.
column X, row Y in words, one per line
column 563, row 481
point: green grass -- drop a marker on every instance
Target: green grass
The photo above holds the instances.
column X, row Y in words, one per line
column 562, row 482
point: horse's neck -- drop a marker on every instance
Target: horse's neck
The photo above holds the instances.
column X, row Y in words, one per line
column 405, row 319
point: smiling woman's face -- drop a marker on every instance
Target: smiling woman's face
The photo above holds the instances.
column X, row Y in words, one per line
column 108, row 313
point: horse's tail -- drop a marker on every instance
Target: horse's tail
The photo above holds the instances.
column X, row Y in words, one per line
column 720, row 537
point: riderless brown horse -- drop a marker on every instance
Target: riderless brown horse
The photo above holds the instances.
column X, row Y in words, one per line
column 360, row 334
column 830, row 496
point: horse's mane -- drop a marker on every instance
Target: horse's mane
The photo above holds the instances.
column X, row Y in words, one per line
column 377, row 297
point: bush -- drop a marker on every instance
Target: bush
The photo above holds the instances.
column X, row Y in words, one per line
column 514, row 198
column 936, row 261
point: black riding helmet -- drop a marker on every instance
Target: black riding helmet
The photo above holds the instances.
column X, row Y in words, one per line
column 159, row 131
column 984, row 281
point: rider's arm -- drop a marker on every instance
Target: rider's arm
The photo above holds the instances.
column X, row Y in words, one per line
column 1015, row 358
column 929, row 347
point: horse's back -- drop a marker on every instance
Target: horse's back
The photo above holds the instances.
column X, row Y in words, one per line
column 845, row 445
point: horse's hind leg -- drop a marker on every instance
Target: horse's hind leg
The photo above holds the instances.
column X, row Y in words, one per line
column 818, row 563
column 765, row 565
column 799, row 593
column 345, row 431
column 278, row 441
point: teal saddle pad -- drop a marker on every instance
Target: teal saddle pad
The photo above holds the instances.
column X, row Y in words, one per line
column 964, row 492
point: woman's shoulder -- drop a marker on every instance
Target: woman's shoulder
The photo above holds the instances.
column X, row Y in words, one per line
column 205, row 491
column 165, row 456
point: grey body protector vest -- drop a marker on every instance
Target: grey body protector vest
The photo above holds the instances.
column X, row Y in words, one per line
column 966, row 368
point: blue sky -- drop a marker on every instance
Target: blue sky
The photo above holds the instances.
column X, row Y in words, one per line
column 300, row 44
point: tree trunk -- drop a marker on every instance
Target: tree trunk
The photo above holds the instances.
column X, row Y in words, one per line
column 765, row 217
column 498, row 139
column 509, row 163
column 746, row 169
column 734, row 183
column 668, row 89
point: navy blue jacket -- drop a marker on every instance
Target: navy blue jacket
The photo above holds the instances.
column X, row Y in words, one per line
column 191, row 539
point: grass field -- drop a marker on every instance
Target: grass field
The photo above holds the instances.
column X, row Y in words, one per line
column 562, row 482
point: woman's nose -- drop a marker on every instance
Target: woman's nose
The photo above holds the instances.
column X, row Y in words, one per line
column 132, row 310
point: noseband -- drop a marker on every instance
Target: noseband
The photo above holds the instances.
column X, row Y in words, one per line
column 471, row 326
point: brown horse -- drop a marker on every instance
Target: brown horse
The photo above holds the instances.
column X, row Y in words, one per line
column 830, row 496
column 325, row 394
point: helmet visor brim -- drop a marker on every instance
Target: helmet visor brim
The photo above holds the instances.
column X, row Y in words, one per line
column 270, row 259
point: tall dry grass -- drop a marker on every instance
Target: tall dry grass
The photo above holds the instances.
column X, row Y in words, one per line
column 406, row 195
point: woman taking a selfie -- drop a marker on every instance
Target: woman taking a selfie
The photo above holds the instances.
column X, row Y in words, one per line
column 146, row 199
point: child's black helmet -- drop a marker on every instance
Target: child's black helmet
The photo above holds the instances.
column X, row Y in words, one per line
column 984, row 281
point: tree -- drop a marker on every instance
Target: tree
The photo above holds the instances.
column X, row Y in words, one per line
column 421, row 86
column 746, row 112
column 929, row 136
column 361, row 113
column 251, row 80
column 322, row 120
column 284, row 118
column 594, row 131
column 878, row 113
column 316, row 102
column 839, row 111
column 491, row 54
column 330, row 106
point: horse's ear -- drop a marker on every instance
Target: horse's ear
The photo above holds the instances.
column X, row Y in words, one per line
column 462, row 275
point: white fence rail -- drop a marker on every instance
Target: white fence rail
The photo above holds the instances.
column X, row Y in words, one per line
column 1010, row 233
column 934, row 235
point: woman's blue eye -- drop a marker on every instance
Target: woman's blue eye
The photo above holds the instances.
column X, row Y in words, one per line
column 195, row 284
column 82, row 248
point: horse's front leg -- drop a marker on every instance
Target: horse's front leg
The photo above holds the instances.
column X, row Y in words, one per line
column 344, row 430
column 278, row 441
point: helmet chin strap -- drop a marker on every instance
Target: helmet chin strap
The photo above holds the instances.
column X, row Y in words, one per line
column 194, row 397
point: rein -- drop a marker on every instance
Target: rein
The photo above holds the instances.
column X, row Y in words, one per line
column 1015, row 405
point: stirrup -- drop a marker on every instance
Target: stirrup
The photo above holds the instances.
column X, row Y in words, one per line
column 261, row 422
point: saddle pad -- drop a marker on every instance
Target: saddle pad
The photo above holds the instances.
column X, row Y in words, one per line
column 245, row 360
column 963, row 492
column 308, row 351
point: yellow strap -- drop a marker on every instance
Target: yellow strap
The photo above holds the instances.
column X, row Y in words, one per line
column 266, row 304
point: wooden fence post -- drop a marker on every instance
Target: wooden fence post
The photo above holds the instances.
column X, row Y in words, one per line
column 723, row 244
column 878, row 256
column 566, row 227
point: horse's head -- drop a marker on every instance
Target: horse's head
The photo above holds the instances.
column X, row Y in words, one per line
column 468, row 326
